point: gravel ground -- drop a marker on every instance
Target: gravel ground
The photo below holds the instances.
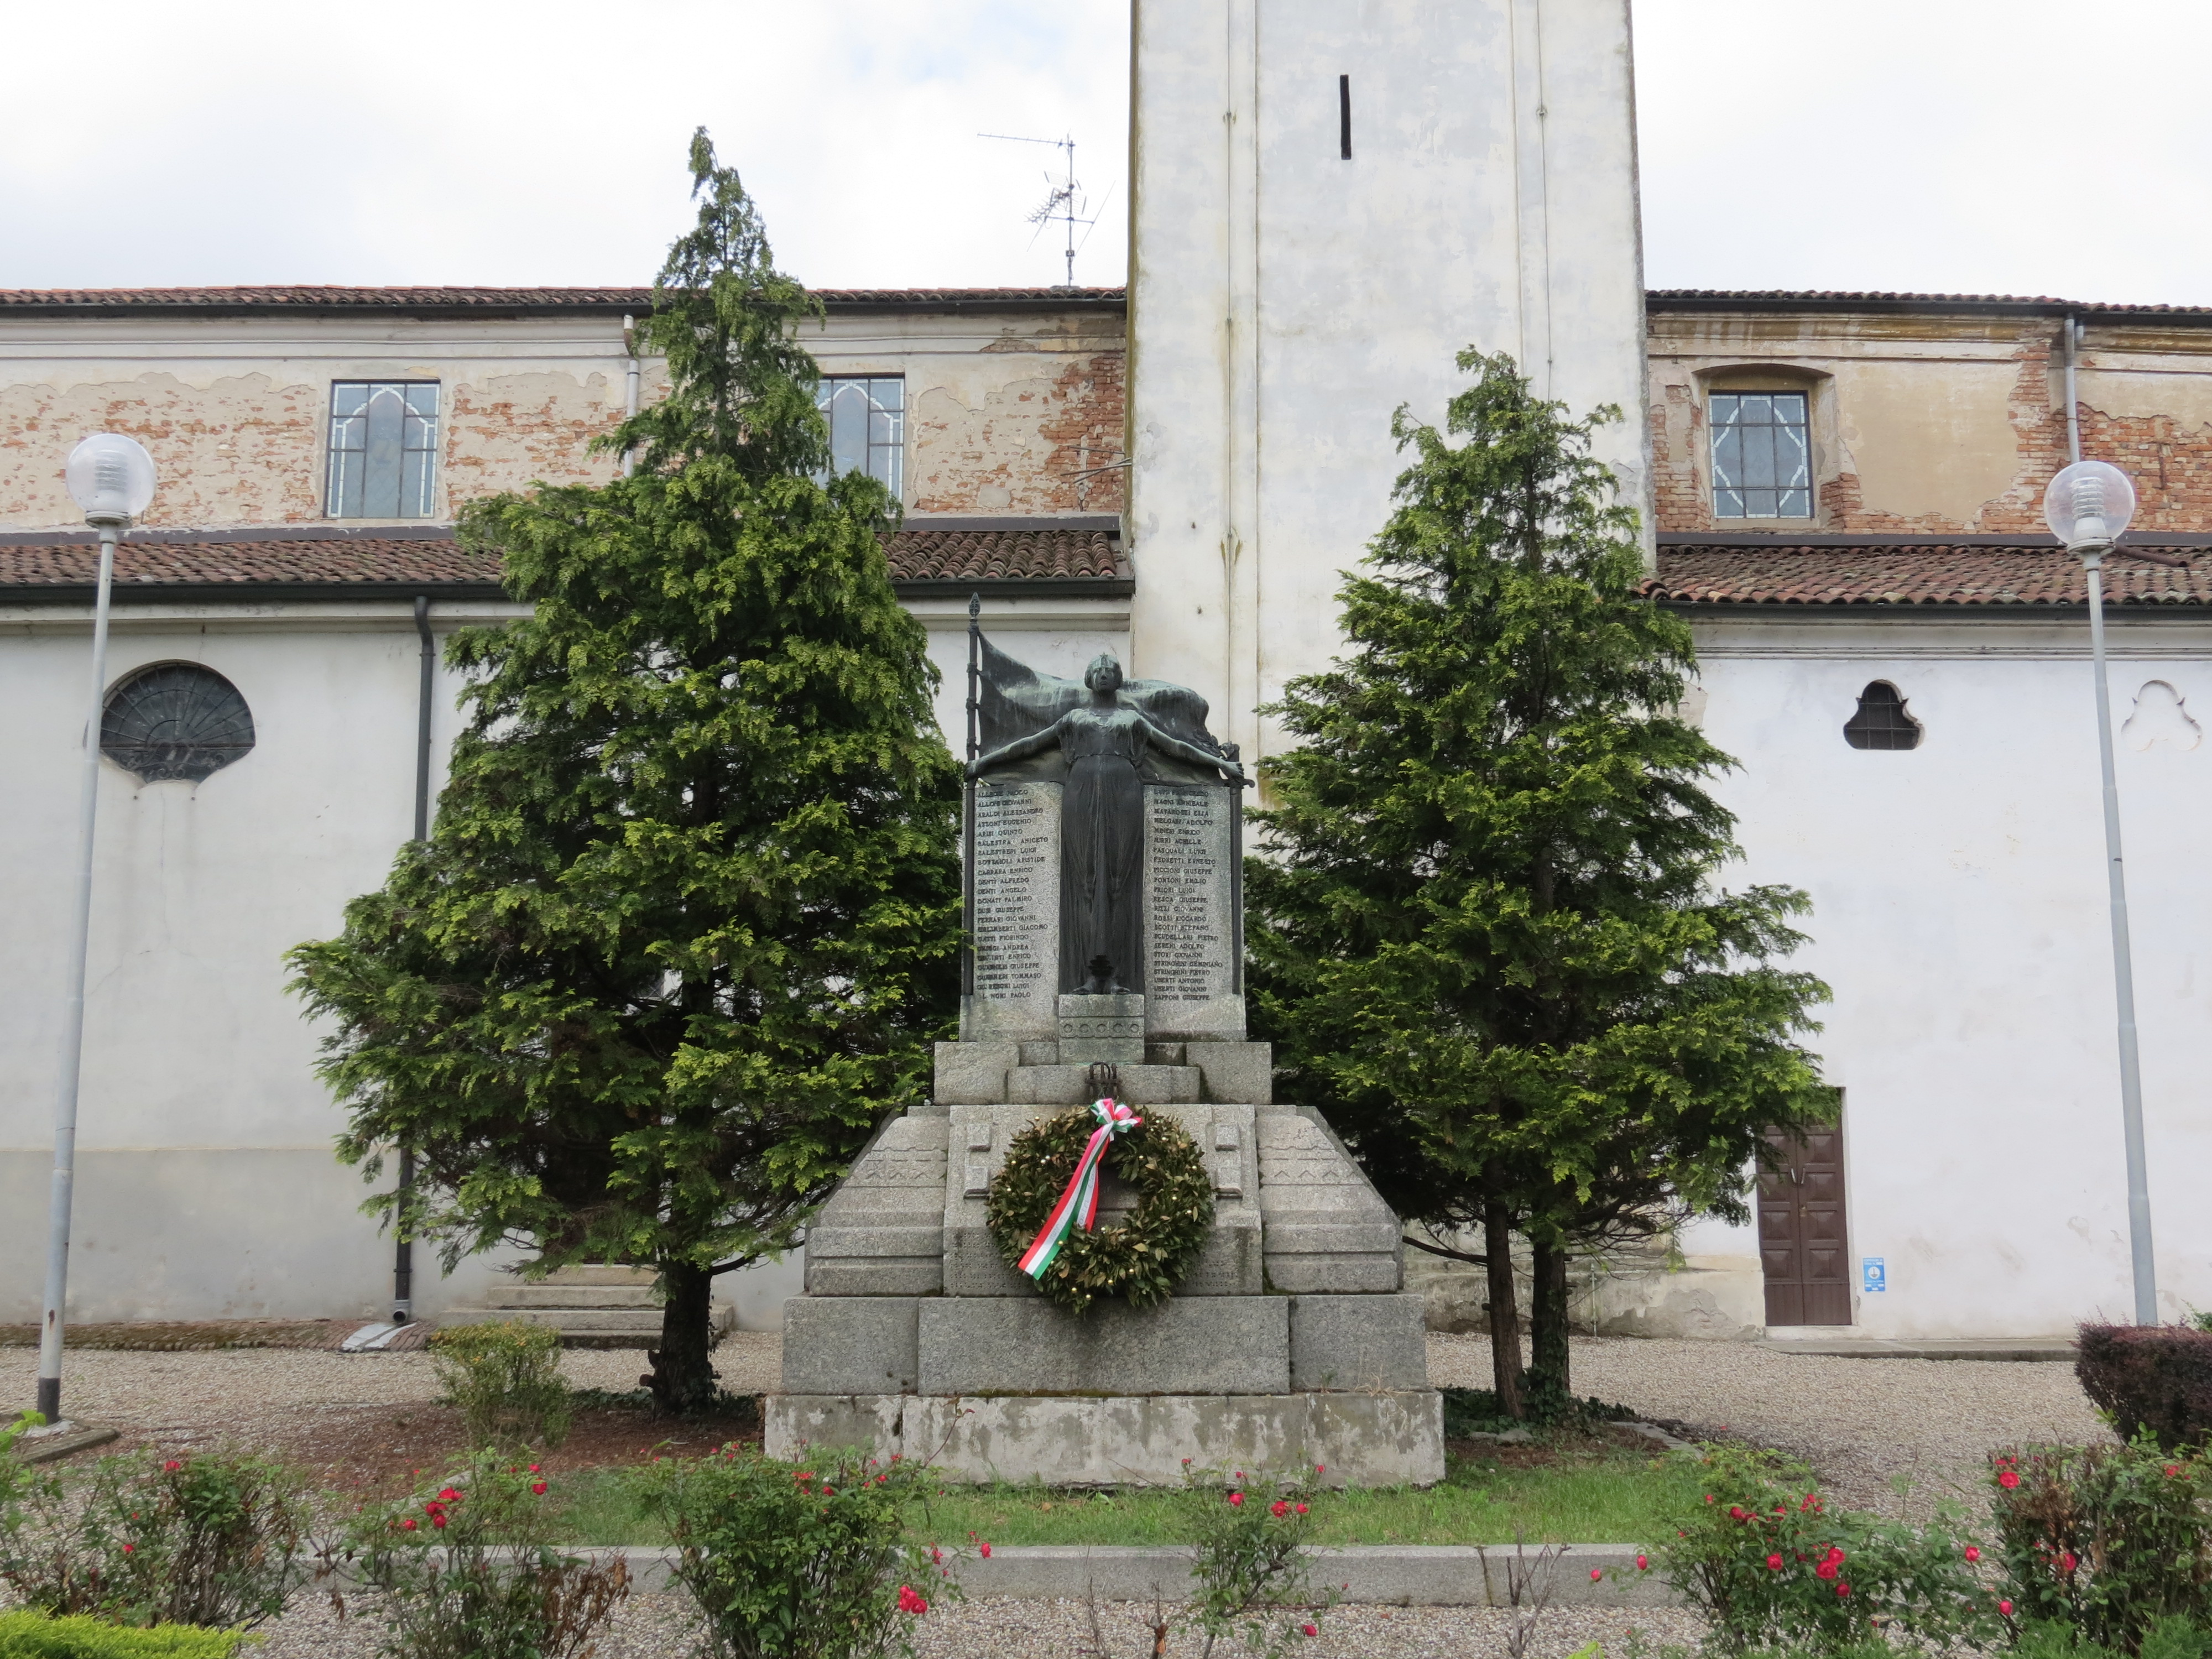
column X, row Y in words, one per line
column 1860, row 1423
column 656, row 1627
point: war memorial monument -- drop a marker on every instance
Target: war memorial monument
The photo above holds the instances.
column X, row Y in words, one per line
column 1102, row 1253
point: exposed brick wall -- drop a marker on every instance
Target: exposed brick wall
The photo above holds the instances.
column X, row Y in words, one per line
column 2168, row 455
column 1022, row 440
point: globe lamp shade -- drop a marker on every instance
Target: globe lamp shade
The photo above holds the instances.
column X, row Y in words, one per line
column 2088, row 504
column 111, row 478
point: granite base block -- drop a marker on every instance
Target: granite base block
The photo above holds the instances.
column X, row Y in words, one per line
column 1340, row 1342
column 1382, row 1439
column 1022, row 1345
column 1070, row 1085
column 1323, row 1272
column 974, row 1073
column 849, row 1344
column 1239, row 1073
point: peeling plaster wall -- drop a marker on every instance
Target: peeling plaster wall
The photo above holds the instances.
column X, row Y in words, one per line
column 1937, row 424
column 235, row 411
column 1015, row 414
column 1019, row 413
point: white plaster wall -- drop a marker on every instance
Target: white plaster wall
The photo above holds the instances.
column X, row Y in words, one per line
column 207, row 1186
column 1960, row 915
column 1285, row 301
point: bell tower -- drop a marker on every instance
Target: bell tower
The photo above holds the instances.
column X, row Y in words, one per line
column 1331, row 200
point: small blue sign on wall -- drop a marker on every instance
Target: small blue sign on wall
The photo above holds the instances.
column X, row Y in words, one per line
column 1873, row 1274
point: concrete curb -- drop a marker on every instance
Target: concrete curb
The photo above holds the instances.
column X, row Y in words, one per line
column 1386, row 1575
column 63, row 1439
column 2020, row 1349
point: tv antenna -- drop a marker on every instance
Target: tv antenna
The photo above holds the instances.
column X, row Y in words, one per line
column 1064, row 206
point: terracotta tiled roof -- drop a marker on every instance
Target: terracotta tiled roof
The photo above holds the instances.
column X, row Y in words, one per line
column 494, row 301
column 998, row 554
column 1890, row 571
column 325, row 558
column 1772, row 299
column 349, row 561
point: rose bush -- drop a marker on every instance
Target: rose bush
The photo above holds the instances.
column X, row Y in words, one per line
column 1774, row 1570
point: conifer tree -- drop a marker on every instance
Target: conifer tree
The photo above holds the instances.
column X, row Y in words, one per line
column 690, row 914
column 1487, row 931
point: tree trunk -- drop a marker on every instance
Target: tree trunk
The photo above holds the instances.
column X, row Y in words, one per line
column 1548, row 1324
column 1504, row 1312
column 683, row 1376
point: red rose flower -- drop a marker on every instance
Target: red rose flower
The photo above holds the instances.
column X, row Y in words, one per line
column 1825, row 1570
column 1773, row 1561
column 1596, row 1574
column 1302, row 1508
column 408, row 1525
column 437, row 1519
column 1643, row 1564
column 537, row 1486
column 1736, row 1512
column 1972, row 1554
column 128, row 1548
column 2005, row 1607
column 1279, row 1508
column 987, row 1551
column 909, row 1601
column 1236, row 1497
column 1843, row 1589
column 172, row 1466
column 2171, row 1468
column 1310, row 1630
column 2066, row 1562
column 2008, row 1478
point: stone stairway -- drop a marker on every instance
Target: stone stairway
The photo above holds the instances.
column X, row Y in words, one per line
column 591, row 1306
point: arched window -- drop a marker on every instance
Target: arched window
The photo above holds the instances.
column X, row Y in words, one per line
column 1881, row 722
column 175, row 720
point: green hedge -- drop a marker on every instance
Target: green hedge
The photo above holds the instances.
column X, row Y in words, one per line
column 34, row 1636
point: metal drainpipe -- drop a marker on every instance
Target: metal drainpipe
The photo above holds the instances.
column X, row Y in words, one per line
column 629, row 400
column 2073, row 407
column 402, row 1261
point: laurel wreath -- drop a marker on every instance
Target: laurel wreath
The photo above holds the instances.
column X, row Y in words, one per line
column 1144, row 1259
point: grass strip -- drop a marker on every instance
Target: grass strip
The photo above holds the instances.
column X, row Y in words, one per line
column 1604, row 1499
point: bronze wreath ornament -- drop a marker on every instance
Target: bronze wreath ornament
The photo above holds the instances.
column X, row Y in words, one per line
column 1143, row 1260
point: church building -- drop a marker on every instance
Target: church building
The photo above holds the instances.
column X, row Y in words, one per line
column 1842, row 493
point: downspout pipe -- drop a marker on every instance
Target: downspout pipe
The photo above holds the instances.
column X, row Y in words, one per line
column 2073, row 404
column 403, row 1261
column 630, row 396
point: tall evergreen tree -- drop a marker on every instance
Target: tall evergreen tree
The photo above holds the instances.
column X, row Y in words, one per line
column 690, row 914
column 1486, row 928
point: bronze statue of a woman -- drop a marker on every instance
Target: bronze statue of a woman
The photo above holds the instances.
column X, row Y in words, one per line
column 1101, row 821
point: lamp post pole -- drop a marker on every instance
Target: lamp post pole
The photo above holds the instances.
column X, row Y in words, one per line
column 2088, row 505
column 72, row 1055
column 2143, row 1258
column 112, row 478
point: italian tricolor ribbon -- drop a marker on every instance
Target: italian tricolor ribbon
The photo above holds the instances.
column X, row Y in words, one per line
column 1078, row 1203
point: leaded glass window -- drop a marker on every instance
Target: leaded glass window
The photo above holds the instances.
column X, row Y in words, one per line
column 1762, row 455
column 1882, row 721
column 384, row 449
column 175, row 720
column 867, row 425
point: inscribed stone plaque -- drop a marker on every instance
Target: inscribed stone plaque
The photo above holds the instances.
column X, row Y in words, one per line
column 1193, row 936
column 1016, row 917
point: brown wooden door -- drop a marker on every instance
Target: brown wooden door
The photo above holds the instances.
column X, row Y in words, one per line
column 1802, row 1236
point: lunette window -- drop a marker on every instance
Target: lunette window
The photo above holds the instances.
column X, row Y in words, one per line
column 1762, row 455
column 384, row 449
column 175, row 720
column 867, row 425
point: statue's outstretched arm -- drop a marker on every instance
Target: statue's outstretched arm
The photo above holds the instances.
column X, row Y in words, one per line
column 1020, row 749
column 1191, row 753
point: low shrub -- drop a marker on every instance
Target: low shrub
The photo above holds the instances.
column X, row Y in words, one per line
column 2170, row 1638
column 1773, row 1569
column 1474, row 1411
column 214, row 1538
column 2105, row 1541
column 2157, row 1377
column 505, row 1378
column 799, row 1560
column 1251, row 1577
column 466, row 1572
column 36, row 1636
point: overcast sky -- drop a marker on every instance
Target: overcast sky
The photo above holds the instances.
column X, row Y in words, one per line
column 1986, row 146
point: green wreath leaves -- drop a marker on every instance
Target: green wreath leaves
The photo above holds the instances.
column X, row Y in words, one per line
column 1143, row 1260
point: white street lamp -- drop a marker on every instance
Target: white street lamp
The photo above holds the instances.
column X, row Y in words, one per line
column 2087, row 506
column 112, row 478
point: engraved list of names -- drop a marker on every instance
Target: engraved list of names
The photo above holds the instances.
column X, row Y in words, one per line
column 1017, row 919
column 1190, row 931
